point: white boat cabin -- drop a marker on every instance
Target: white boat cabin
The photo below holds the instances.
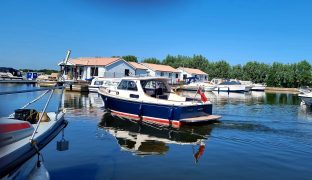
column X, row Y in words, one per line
column 149, row 89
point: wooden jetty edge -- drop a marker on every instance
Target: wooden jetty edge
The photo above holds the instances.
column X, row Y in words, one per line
column 201, row 119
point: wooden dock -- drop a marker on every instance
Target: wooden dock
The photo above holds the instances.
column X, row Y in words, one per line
column 282, row 90
column 78, row 87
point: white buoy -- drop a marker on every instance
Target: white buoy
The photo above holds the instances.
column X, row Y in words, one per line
column 39, row 172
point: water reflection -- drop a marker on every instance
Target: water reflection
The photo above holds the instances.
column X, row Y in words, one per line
column 86, row 104
column 146, row 139
column 305, row 112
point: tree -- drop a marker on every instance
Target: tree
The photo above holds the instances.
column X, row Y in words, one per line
column 152, row 60
column 304, row 73
column 255, row 72
column 236, row 72
column 219, row 69
column 130, row 58
column 198, row 62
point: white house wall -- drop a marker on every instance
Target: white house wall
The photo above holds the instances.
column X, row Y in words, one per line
column 118, row 68
column 173, row 78
column 140, row 72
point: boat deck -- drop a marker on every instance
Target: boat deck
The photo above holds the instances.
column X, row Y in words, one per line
column 201, row 119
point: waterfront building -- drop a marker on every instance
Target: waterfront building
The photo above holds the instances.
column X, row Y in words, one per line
column 89, row 67
column 159, row 70
column 190, row 72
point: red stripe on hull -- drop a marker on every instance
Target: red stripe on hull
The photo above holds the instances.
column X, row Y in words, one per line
column 6, row 128
column 166, row 122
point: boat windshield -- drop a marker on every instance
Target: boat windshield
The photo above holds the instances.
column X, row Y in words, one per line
column 230, row 83
column 154, row 87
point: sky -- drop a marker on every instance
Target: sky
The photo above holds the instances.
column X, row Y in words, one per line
column 37, row 34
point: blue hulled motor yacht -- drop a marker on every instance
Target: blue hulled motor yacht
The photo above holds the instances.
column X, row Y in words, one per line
column 150, row 99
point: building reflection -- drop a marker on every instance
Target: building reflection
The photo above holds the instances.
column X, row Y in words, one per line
column 82, row 104
column 145, row 139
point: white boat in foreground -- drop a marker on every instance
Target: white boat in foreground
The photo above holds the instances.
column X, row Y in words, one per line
column 306, row 98
column 25, row 133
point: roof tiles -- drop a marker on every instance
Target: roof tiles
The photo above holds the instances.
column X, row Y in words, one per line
column 160, row 67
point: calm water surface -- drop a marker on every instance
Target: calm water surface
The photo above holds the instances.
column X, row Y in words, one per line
column 262, row 136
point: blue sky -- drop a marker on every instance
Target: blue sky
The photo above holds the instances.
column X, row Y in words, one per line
column 37, row 34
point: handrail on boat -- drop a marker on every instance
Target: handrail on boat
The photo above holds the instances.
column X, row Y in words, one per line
column 41, row 116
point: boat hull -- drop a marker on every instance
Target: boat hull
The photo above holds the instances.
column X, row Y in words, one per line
column 237, row 89
column 166, row 115
column 307, row 100
column 15, row 159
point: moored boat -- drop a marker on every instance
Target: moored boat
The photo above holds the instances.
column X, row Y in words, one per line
column 99, row 82
column 25, row 133
column 258, row 87
column 231, row 86
column 306, row 98
column 192, row 84
column 151, row 99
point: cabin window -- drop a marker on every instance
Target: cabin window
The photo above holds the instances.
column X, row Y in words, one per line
column 153, row 85
column 161, row 73
column 177, row 75
column 127, row 85
column 184, row 76
column 94, row 71
column 98, row 83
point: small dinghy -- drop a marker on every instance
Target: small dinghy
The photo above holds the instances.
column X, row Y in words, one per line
column 24, row 133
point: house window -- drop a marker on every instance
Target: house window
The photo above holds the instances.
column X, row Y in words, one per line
column 127, row 72
column 177, row 75
column 161, row 73
column 170, row 75
column 94, row 71
column 184, row 76
column 127, row 85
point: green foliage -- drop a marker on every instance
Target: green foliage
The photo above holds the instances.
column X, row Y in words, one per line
column 151, row 60
column 276, row 74
column 255, row 72
column 236, row 72
column 130, row 58
column 219, row 69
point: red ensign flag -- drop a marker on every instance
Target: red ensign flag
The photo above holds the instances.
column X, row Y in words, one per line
column 202, row 95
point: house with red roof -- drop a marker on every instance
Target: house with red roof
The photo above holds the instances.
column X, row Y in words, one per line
column 190, row 72
column 89, row 67
column 159, row 70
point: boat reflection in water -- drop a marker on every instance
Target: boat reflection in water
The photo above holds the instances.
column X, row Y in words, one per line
column 145, row 139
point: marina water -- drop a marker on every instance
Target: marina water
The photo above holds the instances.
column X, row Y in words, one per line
column 261, row 136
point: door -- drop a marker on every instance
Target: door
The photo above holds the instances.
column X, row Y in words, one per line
column 127, row 72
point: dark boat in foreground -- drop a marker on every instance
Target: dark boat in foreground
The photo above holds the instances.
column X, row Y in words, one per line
column 151, row 99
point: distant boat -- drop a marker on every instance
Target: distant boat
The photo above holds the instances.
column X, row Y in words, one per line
column 100, row 82
column 151, row 99
column 306, row 98
column 230, row 86
column 10, row 73
column 24, row 134
column 192, row 84
column 258, row 87
column 253, row 86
